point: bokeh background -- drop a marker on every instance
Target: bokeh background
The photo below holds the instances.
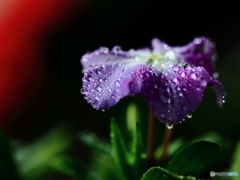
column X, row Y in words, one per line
column 41, row 44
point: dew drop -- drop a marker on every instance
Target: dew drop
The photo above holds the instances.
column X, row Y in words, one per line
column 193, row 76
column 117, row 83
column 197, row 41
column 223, row 99
column 198, row 89
column 175, row 68
column 116, row 49
column 99, row 88
column 180, row 94
column 103, row 110
column 215, row 75
column 82, row 91
column 137, row 58
column 169, row 101
column 182, row 74
column 104, row 50
column 203, row 83
column 189, row 115
column 175, row 80
column 169, row 125
column 100, row 80
column 97, row 98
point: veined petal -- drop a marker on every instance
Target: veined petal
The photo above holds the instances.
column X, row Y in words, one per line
column 172, row 96
column 103, row 55
column 105, row 84
column 159, row 46
column 200, row 52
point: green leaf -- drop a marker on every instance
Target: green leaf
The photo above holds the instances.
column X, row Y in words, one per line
column 236, row 162
column 68, row 166
column 92, row 141
column 120, row 153
column 137, row 148
column 7, row 166
column 195, row 158
column 158, row 173
column 131, row 117
column 33, row 159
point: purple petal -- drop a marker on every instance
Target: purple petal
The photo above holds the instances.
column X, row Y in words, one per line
column 217, row 86
column 159, row 46
column 104, row 85
column 103, row 55
column 200, row 52
column 172, row 96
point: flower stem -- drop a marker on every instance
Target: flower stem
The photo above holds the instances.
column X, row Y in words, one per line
column 151, row 139
column 166, row 141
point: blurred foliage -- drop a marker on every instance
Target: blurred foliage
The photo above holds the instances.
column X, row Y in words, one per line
column 8, row 169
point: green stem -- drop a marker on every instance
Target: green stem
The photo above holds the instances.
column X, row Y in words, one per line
column 151, row 139
column 166, row 142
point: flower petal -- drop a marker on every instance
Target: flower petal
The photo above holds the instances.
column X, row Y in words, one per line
column 200, row 52
column 103, row 55
column 105, row 84
column 217, row 86
column 172, row 96
column 159, row 46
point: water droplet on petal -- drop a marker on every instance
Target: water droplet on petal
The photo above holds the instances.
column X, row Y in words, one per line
column 117, row 83
column 193, row 76
column 103, row 110
column 103, row 50
column 198, row 89
column 169, row 101
column 137, row 58
column 215, row 75
column 169, row 125
column 175, row 68
column 182, row 74
column 116, row 49
column 82, row 91
column 203, row 83
column 223, row 99
column 100, row 80
column 175, row 80
column 197, row 40
column 189, row 115
column 180, row 94
column 99, row 88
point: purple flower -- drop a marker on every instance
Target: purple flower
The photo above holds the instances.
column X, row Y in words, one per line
column 171, row 79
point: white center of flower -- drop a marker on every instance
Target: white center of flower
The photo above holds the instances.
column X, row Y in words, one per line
column 162, row 62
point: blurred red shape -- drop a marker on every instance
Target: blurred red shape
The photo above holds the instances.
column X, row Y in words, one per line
column 23, row 25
